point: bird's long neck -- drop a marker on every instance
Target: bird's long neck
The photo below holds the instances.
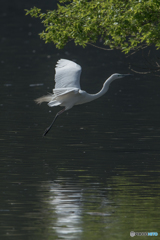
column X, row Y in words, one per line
column 103, row 90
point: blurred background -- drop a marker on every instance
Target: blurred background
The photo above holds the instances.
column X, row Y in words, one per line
column 96, row 174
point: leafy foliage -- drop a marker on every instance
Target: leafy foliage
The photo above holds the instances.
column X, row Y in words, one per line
column 121, row 24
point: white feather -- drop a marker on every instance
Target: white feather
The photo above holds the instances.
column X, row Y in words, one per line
column 54, row 103
column 46, row 98
column 67, row 74
column 62, row 91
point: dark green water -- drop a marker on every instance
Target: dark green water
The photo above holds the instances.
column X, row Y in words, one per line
column 96, row 175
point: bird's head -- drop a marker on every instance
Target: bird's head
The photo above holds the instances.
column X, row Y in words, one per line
column 118, row 75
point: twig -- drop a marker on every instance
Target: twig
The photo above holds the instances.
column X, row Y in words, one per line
column 108, row 49
column 136, row 50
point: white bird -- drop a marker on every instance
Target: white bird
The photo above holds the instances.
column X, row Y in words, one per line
column 67, row 91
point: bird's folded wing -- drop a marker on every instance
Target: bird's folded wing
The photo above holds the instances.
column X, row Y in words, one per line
column 67, row 74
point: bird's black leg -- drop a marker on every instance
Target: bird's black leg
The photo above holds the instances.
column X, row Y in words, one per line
column 47, row 129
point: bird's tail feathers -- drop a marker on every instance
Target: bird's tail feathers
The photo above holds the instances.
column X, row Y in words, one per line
column 46, row 98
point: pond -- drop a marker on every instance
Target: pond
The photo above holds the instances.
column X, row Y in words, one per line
column 96, row 175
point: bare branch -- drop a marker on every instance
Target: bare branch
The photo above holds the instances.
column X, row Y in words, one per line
column 108, row 49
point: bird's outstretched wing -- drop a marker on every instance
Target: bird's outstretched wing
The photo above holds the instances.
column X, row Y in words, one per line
column 67, row 74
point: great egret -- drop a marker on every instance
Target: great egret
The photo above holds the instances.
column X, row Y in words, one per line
column 67, row 91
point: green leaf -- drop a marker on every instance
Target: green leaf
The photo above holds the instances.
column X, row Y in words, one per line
column 113, row 21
